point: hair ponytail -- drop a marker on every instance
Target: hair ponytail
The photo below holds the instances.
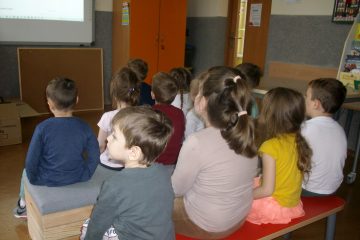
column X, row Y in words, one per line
column 228, row 100
column 304, row 153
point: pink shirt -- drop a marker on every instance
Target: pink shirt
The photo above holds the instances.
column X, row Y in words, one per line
column 216, row 183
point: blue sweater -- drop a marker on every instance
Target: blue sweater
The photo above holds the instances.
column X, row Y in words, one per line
column 62, row 151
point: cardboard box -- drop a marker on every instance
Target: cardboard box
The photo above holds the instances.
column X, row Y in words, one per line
column 10, row 124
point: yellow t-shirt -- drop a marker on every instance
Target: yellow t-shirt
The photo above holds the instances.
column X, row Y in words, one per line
column 288, row 177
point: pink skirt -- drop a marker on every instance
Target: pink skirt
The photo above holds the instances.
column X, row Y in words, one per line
column 268, row 210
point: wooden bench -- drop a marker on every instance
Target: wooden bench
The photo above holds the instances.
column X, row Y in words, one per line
column 316, row 208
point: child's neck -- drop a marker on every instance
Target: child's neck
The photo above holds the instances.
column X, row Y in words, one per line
column 121, row 105
column 58, row 113
column 320, row 114
column 135, row 164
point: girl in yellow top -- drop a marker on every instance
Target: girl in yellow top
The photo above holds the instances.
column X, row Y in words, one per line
column 285, row 158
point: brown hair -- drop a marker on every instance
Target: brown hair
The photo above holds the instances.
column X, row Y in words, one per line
column 251, row 72
column 140, row 67
column 164, row 88
column 330, row 92
column 63, row 92
column 146, row 128
column 227, row 96
column 283, row 112
column 183, row 78
column 125, row 87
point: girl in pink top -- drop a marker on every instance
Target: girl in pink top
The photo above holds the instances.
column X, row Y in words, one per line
column 214, row 174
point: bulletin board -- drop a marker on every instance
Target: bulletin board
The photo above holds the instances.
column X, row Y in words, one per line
column 37, row 66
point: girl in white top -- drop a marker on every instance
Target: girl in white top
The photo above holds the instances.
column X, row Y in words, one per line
column 213, row 178
column 183, row 78
column 193, row 122
column 124, row 92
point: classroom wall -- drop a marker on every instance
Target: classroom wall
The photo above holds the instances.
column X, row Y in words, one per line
column 9, row 76
column 207, row 25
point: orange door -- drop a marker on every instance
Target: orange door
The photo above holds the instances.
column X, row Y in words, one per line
column 172, row 34
column 144, row 29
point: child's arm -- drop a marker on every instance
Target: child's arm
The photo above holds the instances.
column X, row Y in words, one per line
column 104, row 212
column 34, row 156
column 93, row 153
column 268, row 178
column 187, row 167
column 102, row 140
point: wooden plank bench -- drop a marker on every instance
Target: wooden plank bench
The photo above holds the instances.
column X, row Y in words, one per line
column 316, row 208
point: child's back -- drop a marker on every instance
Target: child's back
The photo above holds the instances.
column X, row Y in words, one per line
column 164, row 90
column 325, row 136
column 63, row 150
column 285, row 158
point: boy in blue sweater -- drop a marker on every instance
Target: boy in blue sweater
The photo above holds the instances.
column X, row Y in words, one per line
column 137, row 202
column 63, row 149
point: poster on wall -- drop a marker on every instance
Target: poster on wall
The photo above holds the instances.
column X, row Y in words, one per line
column 125, row 18
column 255, row 15
column 345, row 11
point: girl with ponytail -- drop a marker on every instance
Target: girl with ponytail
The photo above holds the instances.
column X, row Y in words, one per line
column 285, row 158
column 214, row 174
column 124, row 92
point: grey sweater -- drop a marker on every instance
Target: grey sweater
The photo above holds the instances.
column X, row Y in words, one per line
column 138, row 202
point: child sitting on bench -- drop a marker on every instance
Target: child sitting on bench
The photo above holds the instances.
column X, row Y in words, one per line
column 63, row 149
column 285, row 158
column 325, row 136
column 138, row 200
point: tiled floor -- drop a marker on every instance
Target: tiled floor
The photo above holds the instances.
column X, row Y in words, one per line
column 12, row 163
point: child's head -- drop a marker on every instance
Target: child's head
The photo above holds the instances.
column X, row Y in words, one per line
column 182, row 77
column 140, row 67
column 143, row 129
column 224, row 98
column 252, row 73
column 164, row 88
column 125, row 88
column 63, row 93
column 324, row 96
column 283, row 112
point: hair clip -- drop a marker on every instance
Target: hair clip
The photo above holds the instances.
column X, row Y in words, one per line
column 236, row 78
column 242, row 113
column 131, row 90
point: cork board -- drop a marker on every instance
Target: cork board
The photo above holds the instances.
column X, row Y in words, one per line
column 37, row 66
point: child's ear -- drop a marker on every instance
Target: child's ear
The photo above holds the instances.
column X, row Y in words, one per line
column 135, row 153
column 318, row 106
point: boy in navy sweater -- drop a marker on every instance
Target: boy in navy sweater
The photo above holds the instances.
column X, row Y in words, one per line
column 63, row 149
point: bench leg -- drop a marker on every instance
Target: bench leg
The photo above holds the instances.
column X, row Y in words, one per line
column 330, row 227
column 287, row 236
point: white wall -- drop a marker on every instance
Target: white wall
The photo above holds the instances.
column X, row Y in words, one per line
column 207, row 8
column 104, row 5
column 302, row 7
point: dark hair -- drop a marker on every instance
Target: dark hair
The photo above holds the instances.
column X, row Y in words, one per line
column 183, row 78
column 227, row 96
column 330, row 92
column 283, row 112
column 125, row 87
column 140, row 67
column 252, row 73
column 164, row 88
column 146, row 128
column 63, row 92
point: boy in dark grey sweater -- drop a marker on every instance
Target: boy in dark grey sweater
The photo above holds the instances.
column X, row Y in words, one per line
column 138, row 201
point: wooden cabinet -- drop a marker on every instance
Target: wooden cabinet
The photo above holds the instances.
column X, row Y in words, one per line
column 155, row 33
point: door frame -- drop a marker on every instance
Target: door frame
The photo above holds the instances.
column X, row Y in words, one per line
column 255, row 37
